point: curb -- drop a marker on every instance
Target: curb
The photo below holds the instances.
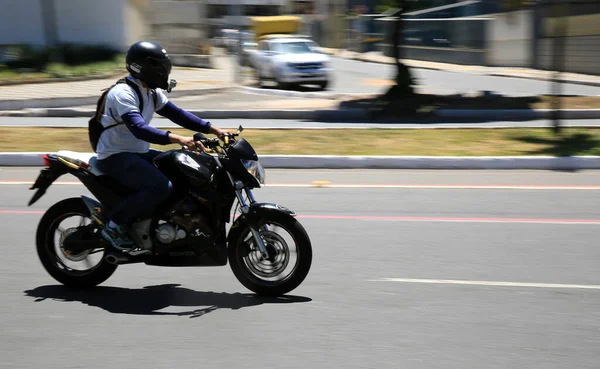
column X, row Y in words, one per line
column 300, row 94
column 63, row 102
column 334, row 115
column 516, row 114
column 34, row 159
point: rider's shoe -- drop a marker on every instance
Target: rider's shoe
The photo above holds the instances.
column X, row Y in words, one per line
column 118, row 238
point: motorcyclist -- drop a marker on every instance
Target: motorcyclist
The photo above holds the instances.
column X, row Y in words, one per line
column 124, row 150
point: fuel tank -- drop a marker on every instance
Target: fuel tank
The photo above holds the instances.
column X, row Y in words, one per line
column 199, row 168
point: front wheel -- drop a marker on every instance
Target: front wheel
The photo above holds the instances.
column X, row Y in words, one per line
column 290, row 255
column 74, row 269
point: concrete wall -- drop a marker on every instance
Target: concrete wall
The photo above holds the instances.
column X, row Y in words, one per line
column 91, row 22
column 137, row 27
column 581, row 42
column 178, row 12
column 509, row 38
column 179, row 26
column 114, row 23
column 21, row 23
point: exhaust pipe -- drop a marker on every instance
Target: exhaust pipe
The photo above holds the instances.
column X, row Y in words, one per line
column 116, row 259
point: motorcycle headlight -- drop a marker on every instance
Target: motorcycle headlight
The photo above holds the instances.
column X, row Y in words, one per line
column 255, row 169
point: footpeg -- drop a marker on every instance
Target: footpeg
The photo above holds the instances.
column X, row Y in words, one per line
column 137, row 252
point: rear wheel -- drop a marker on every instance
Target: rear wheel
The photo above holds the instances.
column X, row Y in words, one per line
column 290, row 256
column 75, row 269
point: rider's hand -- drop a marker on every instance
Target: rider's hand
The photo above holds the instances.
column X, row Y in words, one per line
column 218, row 132
column 187, row 142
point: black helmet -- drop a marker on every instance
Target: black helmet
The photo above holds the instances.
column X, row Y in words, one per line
column 150, row 63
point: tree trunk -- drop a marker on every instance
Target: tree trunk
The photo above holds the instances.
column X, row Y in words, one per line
column 404, row 85
column 399, row 97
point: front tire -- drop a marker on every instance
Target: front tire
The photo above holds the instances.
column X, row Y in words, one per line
column 60, row 265
column 268, row 277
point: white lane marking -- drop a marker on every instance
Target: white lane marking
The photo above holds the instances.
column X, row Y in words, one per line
column 489, row 283
column 21, row 183
column 359, row 186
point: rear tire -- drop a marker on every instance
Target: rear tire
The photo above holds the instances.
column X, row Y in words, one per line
column 47, row 250
column 239, row 252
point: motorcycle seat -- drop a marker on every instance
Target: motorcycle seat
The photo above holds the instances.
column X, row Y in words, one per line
column 90, row 159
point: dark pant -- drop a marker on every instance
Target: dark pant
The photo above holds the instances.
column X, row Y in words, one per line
column 138, row 172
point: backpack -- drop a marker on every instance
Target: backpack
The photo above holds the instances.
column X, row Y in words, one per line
column 95, row 127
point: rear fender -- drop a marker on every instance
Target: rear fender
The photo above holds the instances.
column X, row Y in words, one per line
column 54, row 169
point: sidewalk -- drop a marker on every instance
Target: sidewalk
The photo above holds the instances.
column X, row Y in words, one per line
column 516, row 72
column 192, row 81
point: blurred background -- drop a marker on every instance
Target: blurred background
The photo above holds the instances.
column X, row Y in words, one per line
column 512, row 33
column 511, row 48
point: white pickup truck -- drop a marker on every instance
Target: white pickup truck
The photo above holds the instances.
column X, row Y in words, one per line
column 291, row 61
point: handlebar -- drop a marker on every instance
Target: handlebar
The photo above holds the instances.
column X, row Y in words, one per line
column 214, row 143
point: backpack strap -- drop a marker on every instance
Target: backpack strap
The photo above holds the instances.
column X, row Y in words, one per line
column 137, row 91
column 102, row 104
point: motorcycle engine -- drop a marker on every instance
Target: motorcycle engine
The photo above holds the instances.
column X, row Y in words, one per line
column 168, row 232
column 187, row 220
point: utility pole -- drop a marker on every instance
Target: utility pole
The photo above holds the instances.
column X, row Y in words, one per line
column 48, row 9
column 560, row 34
column 237, row 11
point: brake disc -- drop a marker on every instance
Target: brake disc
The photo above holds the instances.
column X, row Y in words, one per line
column 66, row 252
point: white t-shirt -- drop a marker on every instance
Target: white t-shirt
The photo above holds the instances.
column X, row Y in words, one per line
column 120, row 100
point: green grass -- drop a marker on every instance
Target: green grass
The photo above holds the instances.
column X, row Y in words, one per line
column 58, row 70
column 92, row 69
column 423, row 142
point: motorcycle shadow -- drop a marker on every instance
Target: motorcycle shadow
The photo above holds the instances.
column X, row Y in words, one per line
column 150, row 299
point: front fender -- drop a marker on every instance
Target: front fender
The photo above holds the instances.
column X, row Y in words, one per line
column 257, row 214
column 259, row 208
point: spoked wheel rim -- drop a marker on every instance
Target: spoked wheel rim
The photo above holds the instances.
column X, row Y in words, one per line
column 284, row 255
column 73, row 264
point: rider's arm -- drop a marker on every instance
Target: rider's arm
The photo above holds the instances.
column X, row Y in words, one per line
column 141, row 130
column 184, row 118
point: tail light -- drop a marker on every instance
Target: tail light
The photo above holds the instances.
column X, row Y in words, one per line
column 46, row 161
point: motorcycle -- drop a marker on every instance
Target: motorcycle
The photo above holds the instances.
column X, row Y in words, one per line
column 268, row 250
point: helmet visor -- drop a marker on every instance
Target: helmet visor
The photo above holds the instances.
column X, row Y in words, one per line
column 156, row 73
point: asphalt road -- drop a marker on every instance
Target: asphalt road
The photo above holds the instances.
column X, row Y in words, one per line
column 289, row 124
column 352, row 76
column 421, row 269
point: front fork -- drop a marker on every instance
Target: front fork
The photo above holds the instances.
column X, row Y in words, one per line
column 245, row 208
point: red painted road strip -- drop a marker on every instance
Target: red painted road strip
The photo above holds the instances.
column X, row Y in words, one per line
column 371, row 185
column 406, row 218
column 453, row 219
